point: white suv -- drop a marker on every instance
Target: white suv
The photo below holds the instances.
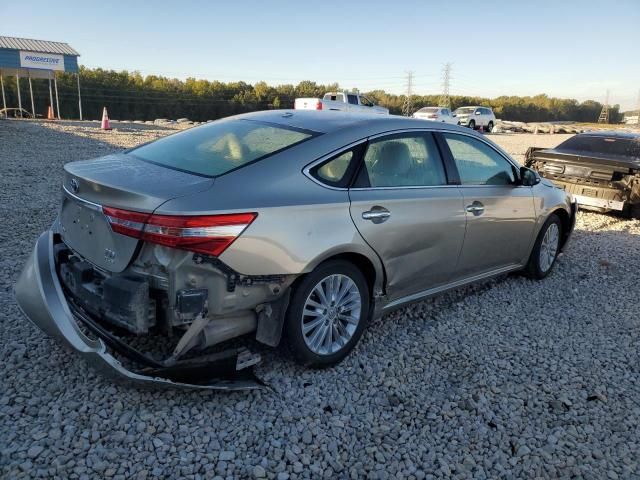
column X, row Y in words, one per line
column 475, row 117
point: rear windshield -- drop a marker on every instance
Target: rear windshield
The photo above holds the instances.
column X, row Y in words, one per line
column 605, row 145
column 219, row 147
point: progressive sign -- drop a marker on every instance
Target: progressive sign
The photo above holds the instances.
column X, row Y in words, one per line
column 45, row 61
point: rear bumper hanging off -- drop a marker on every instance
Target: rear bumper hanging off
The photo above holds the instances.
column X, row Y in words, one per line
column 41, row 298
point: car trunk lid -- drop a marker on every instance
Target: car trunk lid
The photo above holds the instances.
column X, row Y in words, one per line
column 121, row 181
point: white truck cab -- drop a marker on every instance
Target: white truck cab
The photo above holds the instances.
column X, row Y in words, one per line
column 340, row 101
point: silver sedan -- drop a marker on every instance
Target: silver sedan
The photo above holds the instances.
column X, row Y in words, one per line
column 291, row 225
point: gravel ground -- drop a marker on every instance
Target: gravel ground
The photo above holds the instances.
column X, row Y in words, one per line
column 509, row 379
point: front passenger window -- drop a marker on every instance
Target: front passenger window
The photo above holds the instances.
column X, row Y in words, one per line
column 402, row 161
column 478, row 163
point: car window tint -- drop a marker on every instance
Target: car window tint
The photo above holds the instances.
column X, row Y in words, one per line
column 353, row 99
column 411, row 160
column 478, row 164
column 219, row 147
column 333, row 171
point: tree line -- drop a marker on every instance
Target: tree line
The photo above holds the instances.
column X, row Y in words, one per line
column 132, row 96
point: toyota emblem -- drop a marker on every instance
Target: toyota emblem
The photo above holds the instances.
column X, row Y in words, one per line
column 75, row 186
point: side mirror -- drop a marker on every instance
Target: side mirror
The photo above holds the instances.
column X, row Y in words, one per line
column 478, row 113
column 454, row 114
column 529, row 177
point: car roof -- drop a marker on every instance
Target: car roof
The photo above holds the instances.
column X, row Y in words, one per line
column 613, row 133
column 332, row 121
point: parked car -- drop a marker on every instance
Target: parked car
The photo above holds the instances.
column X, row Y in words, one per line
column 281, row 223
column 341, row 102
column 475, row 117
column 600, row 169
column 436, row 114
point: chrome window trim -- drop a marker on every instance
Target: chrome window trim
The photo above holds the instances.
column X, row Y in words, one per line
column 86, row 203
column 306, row 170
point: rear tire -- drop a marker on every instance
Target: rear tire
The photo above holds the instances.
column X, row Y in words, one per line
column 328, row 312
column 545, row 250
column 490, row 127
column 472, row 124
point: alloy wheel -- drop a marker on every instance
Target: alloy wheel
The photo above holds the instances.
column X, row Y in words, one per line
column 331, row 314
column 549, row 247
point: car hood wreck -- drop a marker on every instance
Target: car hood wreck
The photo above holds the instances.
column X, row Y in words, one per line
column 600, row 169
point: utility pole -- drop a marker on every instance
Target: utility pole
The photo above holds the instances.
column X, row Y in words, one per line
column 604, row 114
column 446, row 81
column 408, row 107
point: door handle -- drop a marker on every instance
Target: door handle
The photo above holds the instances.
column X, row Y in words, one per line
column 376, row 214
column 476, row 208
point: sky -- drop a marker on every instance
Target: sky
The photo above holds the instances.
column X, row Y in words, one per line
column 572, row 49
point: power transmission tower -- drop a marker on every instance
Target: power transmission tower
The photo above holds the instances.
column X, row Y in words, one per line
column 638, row 108
column 446, row 81
column 408, row 107
column 604, row 114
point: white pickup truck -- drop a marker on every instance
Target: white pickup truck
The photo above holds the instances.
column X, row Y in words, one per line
column 340, row 101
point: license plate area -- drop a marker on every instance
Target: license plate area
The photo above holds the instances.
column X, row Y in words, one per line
column 85, row 229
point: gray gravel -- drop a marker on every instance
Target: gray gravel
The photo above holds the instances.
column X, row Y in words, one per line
column 509, row 379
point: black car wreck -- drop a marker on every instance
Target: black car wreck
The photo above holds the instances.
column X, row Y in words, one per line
column 601, row 169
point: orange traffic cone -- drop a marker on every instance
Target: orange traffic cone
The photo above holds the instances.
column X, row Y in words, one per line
column 50, row 113
column 105, row 120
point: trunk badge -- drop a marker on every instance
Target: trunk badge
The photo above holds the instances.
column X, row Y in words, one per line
column 75, row 186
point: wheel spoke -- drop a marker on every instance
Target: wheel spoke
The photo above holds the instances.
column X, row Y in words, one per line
column 353, row 296
column 349, row 318
column 312, row 325
column 313, row 303
column 317, row 338
column 312, row 313
column 319, row 289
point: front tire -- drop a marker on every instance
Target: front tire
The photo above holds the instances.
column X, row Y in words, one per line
column 545, row 250
column 328, row 312
column 489, row 127
column 472, row 124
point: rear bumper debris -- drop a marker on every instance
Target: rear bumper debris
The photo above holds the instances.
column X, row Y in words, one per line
column 40, row 296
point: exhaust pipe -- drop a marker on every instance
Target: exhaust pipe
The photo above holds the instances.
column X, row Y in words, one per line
column 225, row 328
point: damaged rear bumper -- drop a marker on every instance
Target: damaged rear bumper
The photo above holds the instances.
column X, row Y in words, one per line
column 40, row 297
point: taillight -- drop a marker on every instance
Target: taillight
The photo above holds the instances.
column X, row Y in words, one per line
column 319, row 106
column 209, row 234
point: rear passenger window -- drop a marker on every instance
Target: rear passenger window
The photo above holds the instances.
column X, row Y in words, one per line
column 402, row 161
column 333, row 172
column 353, row 100
column 478, row 163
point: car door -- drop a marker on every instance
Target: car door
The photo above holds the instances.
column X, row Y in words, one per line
column 500, row 213
column 407, row 211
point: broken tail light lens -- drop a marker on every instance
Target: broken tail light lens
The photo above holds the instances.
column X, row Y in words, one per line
column 208, row 234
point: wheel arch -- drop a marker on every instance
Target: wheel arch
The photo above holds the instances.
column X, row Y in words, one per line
column 565, row 220
column 367, row 262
